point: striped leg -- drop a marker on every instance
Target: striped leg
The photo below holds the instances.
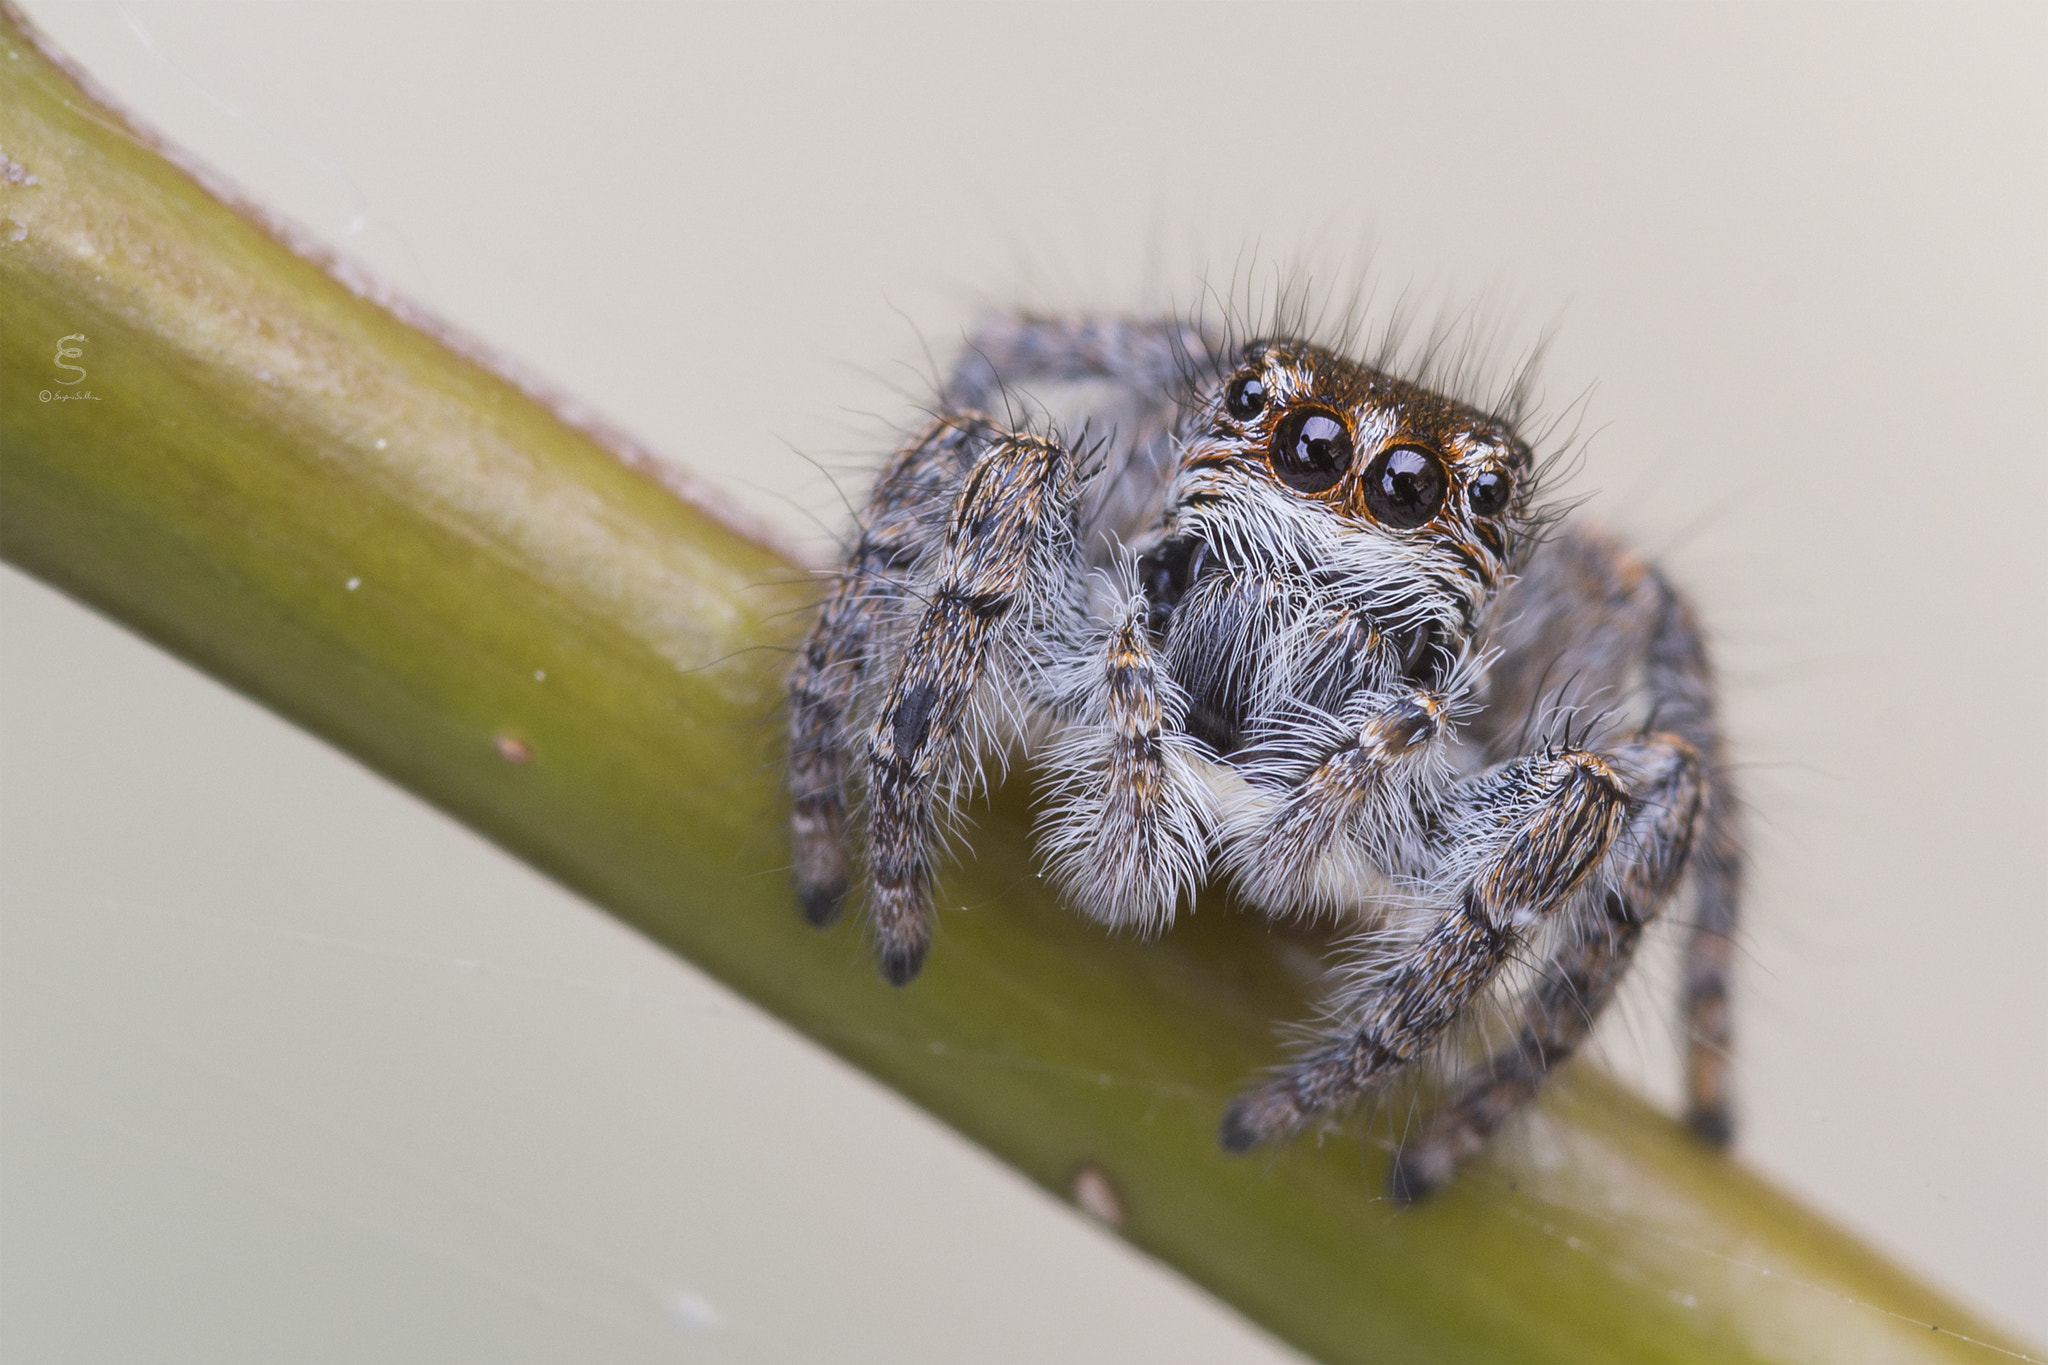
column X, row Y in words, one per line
column 1546, row 824
column 1585, row 967
column 1124, row 832
column 903, row 524
column 1009, row 540
column 1682, row 681
column 1587, row 621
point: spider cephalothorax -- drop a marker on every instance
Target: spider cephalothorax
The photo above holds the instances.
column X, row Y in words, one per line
column 1288, row 625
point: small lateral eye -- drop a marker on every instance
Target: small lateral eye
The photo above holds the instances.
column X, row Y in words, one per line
column 1489, row 493
column 1245, row 398
column 1404, row 486
column 1312, row 450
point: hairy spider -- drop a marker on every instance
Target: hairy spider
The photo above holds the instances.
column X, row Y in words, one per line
column 1293, row 622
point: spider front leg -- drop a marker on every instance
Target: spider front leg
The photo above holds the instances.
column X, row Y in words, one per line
column 904, row 520
column 1524, row 839
column 1007, row 570
column 1584, row 968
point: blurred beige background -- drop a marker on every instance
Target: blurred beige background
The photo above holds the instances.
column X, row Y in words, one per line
column 294, row 1069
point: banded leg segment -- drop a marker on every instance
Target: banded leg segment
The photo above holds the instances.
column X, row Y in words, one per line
column 1681, row 681
column 1584, row 969
column 1578, row 983
column 903, row 523
column 1709, row 960
column 1124, row 833
column 1547, row 822
column 1011, row 524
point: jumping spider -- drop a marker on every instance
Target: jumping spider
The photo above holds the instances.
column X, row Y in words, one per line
column 1292, row 620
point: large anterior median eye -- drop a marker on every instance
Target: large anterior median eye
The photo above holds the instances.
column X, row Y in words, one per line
column 1404, row 487
column 1311, row 450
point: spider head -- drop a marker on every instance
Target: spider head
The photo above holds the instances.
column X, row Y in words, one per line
column 1309, row 478
column 1301, row 454
column 1376, row 455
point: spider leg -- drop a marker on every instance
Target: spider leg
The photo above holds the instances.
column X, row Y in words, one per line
column 904, row 520
column 1527, row 838
column 1124, row 832
column 1584, row 968
column 1008, row 558
column 1147, row 355
column 1682, row 682
column 1590, row 623
column 1052, row 371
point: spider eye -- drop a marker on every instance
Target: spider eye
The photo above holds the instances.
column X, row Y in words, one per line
column 1405, row 486
column 1245, row 398
column 1311, row 450
column 1489, row 493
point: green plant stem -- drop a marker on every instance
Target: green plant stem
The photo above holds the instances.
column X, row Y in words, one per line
column 360, row 524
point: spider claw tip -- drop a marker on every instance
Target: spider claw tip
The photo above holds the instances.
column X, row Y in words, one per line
column 1238, row 1133
column 822, row 904
column 1714, row 1126
column 1408, row 1183
column 900, row 965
